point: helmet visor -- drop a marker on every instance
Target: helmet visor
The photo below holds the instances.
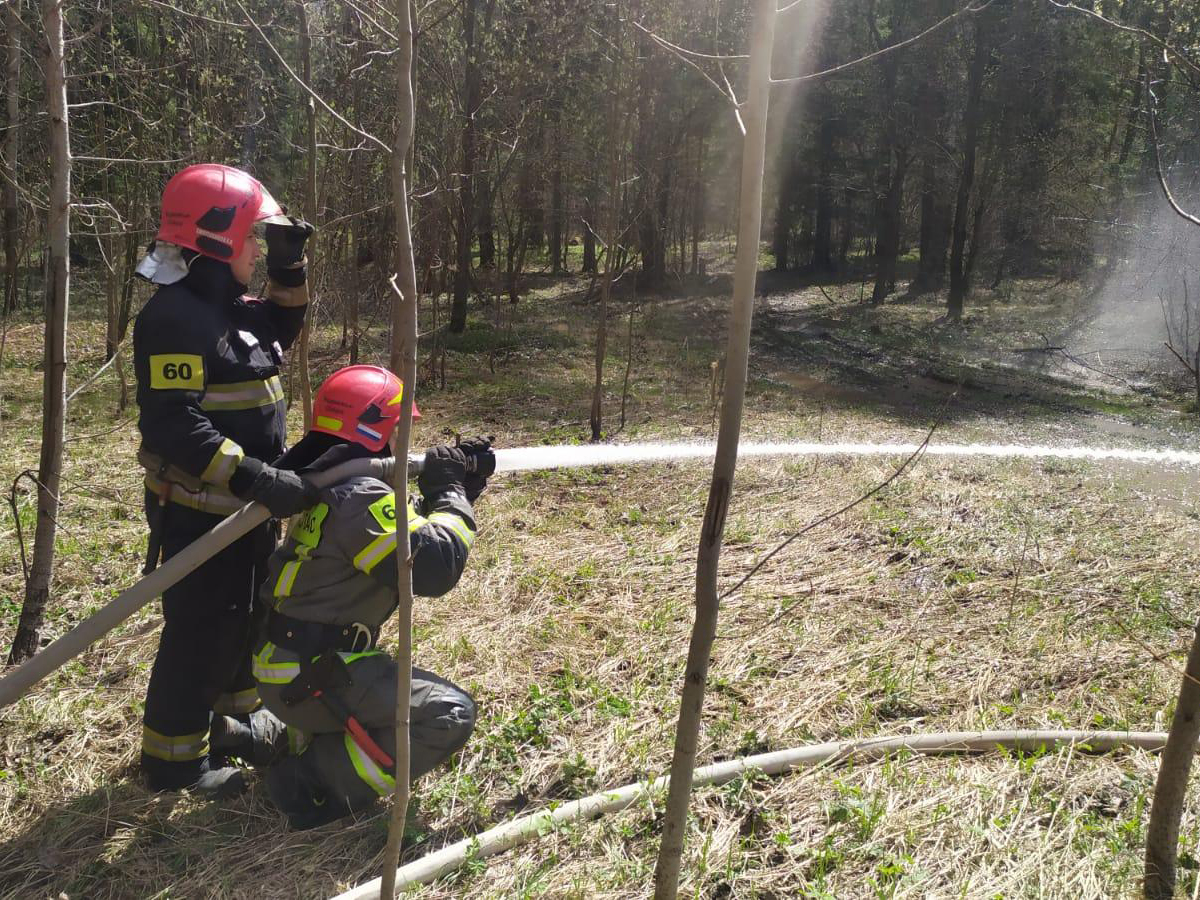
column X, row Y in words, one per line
column 270, row 212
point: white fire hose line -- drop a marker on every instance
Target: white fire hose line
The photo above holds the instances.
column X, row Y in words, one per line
column 17, row 682
column 527, row 828
column 528, row 458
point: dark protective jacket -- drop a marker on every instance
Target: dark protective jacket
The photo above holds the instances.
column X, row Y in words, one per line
column 338, row 564
column 207, row 363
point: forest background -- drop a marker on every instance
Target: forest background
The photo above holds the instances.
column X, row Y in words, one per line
column 999, row 172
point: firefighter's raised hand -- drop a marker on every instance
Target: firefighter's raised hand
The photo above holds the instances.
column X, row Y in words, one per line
column 281, row 491
column 285, row 243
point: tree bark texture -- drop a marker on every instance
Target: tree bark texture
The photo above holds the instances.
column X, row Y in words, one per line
column 687, row 732
column 972, row 114
column 54, row 379
column 404, row 363
column 12, row 149
column 310, row 213
column 466, row 180
column 611, row 224
column 1170, row 789
column 557, row 211
column 893, row 165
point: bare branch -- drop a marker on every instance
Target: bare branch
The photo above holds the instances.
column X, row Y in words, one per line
column 1187, row 365
column 1131, row 29
column 682, row 55
column 308, row 90
column 1162, row 176
column 900, row 470
column 900, row 45
column 659, row 39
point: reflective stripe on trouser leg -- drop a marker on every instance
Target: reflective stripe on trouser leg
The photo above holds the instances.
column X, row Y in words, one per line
column 204, row 648
column 237, row 702
column 367, row 769
column 174, row 748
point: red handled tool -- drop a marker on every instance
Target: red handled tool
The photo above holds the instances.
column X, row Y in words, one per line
column 327, row 673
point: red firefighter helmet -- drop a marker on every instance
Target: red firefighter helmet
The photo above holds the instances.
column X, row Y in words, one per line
column 211, row 209
column 360, row 404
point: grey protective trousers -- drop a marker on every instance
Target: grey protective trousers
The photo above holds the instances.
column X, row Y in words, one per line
column 331, row 776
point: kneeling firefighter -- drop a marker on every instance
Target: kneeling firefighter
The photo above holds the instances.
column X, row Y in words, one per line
column 212, row 418
column 332, row 585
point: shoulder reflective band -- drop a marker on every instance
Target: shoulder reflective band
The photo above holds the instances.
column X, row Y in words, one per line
column 176, row 372
column 380, row 548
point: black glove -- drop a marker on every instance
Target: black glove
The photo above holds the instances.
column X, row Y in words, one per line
column 281, row 491
column 481, row 463
column 285, row 251
column 444, row 468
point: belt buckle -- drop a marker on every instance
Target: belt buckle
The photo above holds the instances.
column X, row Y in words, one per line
column 360, row 631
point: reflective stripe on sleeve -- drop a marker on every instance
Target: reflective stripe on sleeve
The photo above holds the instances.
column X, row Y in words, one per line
column 375, row 552
column 455, row 523
column 174, row 748
column 223, row 463
column 242, row 395
column 367, row 769
column 379, row 549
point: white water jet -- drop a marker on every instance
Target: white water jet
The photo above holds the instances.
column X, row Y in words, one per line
column 521, row 459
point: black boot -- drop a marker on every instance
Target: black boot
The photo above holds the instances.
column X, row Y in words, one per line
column 207, row 776
column 261, row 740
column 301, row 797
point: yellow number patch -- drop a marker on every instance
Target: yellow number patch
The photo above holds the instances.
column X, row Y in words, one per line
column 384, row 511
column 176, row 372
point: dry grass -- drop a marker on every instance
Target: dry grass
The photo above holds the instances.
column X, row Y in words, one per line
column 967, row 595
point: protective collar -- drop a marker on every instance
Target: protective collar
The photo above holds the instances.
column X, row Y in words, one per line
column 163, row 263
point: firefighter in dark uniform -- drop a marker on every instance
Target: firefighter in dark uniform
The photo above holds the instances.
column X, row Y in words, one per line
column 207, row 361
column 333, row 583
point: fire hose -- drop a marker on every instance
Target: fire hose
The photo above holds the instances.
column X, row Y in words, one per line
column 16, row 683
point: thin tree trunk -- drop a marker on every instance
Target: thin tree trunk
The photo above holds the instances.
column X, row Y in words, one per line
column 12, row 147
column 698, row 204
column 404, row 362
column 959, row 275
column 1162, row 835
column 466, row 180
column 254, row 113
column 589, row 223
column 310, row 213
column 557, row 211
column 58, row 227
column 612, row 222
column 666, row 876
